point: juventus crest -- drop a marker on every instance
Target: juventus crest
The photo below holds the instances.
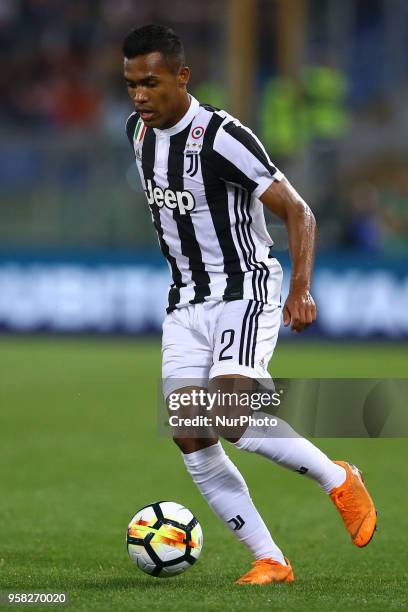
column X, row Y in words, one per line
column 193, row 167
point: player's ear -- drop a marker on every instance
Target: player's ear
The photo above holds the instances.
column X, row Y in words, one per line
column 183, row 76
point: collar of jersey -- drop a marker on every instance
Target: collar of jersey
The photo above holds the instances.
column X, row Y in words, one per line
column 184, row 121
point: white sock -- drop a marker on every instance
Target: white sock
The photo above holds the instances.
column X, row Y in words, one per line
column 284, row 446
column 225, row 490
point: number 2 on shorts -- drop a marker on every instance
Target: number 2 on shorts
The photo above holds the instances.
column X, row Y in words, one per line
column 231, row 333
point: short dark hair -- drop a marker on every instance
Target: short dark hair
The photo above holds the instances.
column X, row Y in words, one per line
column 150, row 38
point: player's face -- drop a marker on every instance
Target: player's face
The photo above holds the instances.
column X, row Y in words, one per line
column 158, row 93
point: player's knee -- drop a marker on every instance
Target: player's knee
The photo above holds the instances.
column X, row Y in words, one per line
column 232, row 439
column 186, row 445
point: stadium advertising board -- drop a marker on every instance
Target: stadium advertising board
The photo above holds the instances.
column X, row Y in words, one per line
column 355, row 298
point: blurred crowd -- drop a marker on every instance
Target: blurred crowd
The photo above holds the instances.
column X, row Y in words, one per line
column 46, row 51
column 60, row 75
column 378, row 215
column 60, row 59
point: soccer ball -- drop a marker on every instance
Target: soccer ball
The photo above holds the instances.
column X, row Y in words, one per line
column 164, row 539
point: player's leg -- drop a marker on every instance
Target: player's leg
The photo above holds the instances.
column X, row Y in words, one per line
column 226, row 492
column 252, row 330
column 250, row 347
column 215, row 475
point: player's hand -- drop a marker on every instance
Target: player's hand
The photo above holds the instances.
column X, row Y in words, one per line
column 300, row 310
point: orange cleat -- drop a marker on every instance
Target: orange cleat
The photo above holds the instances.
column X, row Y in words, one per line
column 265, row 571
column 355, row 505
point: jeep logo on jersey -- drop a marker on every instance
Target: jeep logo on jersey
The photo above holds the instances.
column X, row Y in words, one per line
column 183, row 200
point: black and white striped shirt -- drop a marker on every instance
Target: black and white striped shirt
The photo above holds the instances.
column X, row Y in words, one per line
column 202, row 179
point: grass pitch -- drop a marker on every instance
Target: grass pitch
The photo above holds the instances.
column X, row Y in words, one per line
column 80, row 454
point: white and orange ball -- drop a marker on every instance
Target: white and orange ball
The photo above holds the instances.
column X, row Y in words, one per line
column 164, row 539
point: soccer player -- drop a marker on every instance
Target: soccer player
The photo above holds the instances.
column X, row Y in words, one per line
column 207, row 179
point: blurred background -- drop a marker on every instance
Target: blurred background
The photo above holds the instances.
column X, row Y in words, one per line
column 323, row 83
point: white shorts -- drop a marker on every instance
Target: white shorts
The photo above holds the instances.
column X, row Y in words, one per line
column 205, row 340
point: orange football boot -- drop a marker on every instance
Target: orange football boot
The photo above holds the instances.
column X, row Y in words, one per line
column 355, row 505
column 265, row 571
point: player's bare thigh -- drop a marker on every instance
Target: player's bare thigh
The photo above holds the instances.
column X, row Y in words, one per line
column 230, row 385
column 190, row 438
column 193, row 437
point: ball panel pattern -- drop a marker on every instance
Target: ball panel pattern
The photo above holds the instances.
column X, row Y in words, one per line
column 164, row 539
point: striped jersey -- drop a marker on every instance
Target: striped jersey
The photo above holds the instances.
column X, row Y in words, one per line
column 202, row 179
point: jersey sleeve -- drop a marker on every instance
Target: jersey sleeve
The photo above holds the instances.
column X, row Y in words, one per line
column 131, row 124
column 240, row 158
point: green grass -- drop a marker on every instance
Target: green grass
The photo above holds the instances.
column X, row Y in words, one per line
column 80, row 454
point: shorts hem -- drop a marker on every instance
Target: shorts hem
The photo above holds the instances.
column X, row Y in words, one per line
column 231, row 368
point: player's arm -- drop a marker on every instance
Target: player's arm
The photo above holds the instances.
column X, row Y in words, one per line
column 284, row 201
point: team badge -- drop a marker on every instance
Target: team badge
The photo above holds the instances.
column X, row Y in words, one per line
column 193, row 159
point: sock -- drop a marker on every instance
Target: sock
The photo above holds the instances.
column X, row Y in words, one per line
column 225, row 490
column 285, row 447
